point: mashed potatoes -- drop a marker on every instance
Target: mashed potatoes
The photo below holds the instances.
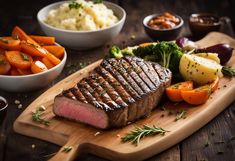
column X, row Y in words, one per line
column 81, row 15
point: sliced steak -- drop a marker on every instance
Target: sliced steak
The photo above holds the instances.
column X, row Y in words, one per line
column 117, row 92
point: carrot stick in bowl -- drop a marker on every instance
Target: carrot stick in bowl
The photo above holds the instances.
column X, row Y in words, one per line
column 45, row 40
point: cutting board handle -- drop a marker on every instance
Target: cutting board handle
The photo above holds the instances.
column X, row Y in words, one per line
column 66, row 153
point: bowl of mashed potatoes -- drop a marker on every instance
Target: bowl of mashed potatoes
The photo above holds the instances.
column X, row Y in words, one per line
column 82, row 24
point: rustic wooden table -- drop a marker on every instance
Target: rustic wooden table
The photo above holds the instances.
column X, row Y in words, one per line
column 213, row 142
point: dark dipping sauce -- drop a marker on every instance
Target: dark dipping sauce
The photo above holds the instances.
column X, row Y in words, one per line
column 164, row 21
column 3, row 109
column 205, row 19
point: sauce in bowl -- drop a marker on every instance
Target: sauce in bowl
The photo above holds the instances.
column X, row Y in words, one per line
column 205, row 19
column 164, row 21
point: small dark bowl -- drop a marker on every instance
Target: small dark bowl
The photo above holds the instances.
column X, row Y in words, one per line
column 3, row 110
column 201, row 29
column 162, row 34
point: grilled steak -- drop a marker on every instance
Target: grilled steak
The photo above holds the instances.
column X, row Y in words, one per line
column 117, row 92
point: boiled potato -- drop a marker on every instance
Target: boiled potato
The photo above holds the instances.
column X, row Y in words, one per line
column 198, row 69
column 212, row 56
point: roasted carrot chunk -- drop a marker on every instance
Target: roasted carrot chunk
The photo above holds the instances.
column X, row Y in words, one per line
column 53, row 59
column 32, row 49
column 14, row 71
column 201, row 94
column 47, row 62
column 18, row 59
column 44, row 40
column 24, row 71
column 174, row 91
column 4, row 64
column 145, row 44
column 18, row 33
column 58, row 51
column 38, row 67
column 9, row 43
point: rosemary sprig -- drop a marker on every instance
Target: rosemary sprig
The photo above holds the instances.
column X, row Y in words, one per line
column 67, row 149
column 228, row 71
column 37, row 116
column 180, row 115
column 135, row 135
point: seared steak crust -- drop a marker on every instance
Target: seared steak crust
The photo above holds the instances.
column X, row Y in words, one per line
column 119, row 91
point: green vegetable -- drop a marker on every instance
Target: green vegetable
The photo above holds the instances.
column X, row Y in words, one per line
column 228, row 71
column 37, row 116
column 137, row 134
column 128, row 51
column 74, row 5
column 115, row 52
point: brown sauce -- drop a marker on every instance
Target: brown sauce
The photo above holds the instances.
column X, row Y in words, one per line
column 207, row 20
column 164, row 21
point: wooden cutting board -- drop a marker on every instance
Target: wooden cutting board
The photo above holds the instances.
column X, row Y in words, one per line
column 107, row 144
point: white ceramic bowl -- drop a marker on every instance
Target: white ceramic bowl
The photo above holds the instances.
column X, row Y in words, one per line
column 82, row 40
column 33, row 81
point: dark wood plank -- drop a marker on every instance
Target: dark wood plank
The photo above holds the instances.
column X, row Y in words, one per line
column 215, row 141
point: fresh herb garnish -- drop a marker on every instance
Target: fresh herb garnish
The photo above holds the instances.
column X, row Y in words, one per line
column 67, row 149
column 135, row 135
column 180, row 115
column 74, row 5
column 24, row 56
column 98, row 1
column 102, row 93
column 228, row 71
column 37, row 116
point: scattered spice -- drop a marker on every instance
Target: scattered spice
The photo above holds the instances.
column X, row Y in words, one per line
column 37, row 116
column 225, row 86
column 162, row 115
column 135, row 135
column 17, row 102
column 33, row 146
column 170, row 113
column 67, row 149
column 180, row 115
column 97, row 133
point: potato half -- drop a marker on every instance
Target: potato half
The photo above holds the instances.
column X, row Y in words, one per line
column 198, row 69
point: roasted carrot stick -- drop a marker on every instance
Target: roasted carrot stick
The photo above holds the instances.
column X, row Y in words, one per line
column 47, row 62
column 38, row 67
column 24, row 71
column 18, row 33
column 45, row 40
column 4, row 64
column 58, row 51
column 53, row 59
column 18, row 59
column 9, row 43
column 33, row 49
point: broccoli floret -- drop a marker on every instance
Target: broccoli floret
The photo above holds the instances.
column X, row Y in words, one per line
column 128, row 51
column 115, row 52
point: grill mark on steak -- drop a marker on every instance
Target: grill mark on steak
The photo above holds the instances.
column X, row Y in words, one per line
column 132, row 110
column 92, row 81
column 78, row 94
column 147, row 69
column 140, row 70
column 91, row 99
column 164, row 74
column 129, row 87
column 115, row 84
column 110, row 90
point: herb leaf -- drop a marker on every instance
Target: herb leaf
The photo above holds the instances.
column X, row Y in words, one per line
column 67, row 149
column 180, row 115
column 37, row 116
column 74, row 5
column 135, row 135
column 24, row 56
